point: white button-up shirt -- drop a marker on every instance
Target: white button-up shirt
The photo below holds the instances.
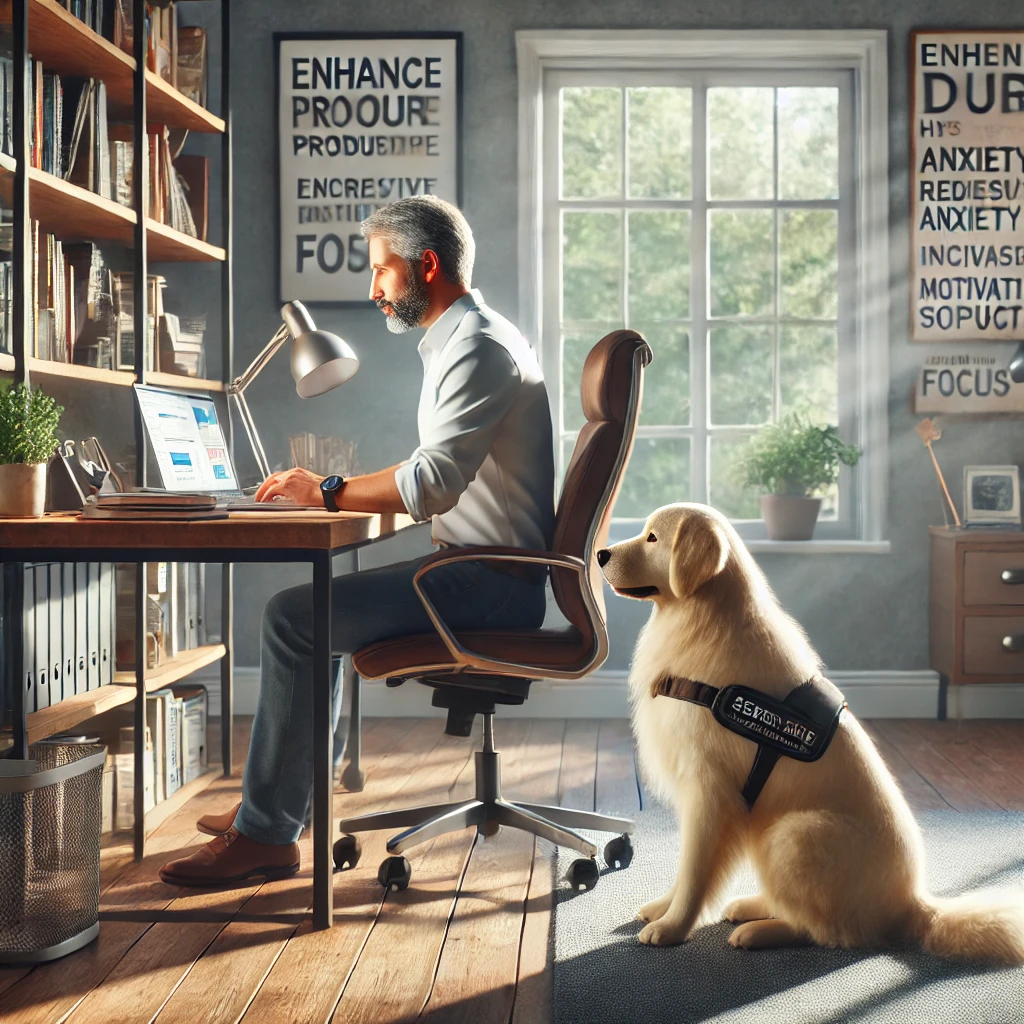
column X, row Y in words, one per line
column 484, row 468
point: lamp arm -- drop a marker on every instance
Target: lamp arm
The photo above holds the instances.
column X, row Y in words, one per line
column 250, row 432
column 240, row 383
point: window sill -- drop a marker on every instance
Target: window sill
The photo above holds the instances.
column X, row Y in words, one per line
column 819, row 547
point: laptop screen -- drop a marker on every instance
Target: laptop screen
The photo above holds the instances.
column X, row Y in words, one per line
column 187, row 440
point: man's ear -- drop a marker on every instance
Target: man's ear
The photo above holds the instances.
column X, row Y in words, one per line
column 700, row 550
column 431, row 266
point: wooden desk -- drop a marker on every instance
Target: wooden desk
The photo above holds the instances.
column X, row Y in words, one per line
column 313, row 537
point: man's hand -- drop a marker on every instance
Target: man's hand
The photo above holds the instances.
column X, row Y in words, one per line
column 298, row 485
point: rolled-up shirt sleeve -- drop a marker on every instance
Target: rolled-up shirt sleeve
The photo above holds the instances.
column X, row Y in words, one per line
column 476, row 385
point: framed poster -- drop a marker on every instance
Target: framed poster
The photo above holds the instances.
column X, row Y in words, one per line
column 362, row 120
column 967, row 186
column 968, row 379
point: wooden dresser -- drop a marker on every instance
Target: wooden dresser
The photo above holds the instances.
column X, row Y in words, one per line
column 976, row 605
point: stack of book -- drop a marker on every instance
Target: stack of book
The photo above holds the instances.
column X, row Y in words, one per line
column 97, row 14
column 181, row 345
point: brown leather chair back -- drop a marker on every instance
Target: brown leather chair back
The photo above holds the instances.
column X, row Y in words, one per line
column 612, row 389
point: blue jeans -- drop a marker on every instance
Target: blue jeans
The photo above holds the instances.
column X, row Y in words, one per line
column 366, row 607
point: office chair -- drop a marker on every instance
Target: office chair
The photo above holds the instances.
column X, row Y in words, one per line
column 475, row 671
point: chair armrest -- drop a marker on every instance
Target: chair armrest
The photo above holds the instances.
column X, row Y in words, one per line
column 466, row 658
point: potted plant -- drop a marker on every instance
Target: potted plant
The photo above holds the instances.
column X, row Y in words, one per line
column 28, row 437
column 791, row 460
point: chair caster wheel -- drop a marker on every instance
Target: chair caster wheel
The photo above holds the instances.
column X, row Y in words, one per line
column 582, row 874
column 488, row 829
column 347, row 851
column 395, row 873
column 618, row 852
column 353, row 779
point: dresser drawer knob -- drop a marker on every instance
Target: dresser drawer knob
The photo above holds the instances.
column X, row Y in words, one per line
column 1014, row 642
column 1012, row 577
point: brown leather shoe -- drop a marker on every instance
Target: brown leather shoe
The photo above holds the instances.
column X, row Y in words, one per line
column 232, row 857
column 218, row 824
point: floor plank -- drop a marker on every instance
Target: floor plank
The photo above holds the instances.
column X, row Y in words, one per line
column 615, row 788
column 477, row 972
column 919, row 793
column 1003, row 788
column 223, row 982
column 392, row 978
column 576, row 782
column 960, row 792
column 309, row 977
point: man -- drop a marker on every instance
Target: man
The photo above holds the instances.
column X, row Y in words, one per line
column 483, row 473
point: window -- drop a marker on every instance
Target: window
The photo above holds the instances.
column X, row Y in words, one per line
column 715, row 210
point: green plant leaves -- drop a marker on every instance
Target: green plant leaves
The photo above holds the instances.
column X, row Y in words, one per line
column 796, row 457
column 28, row 425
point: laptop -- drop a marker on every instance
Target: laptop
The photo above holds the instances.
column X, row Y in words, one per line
column 191, row 451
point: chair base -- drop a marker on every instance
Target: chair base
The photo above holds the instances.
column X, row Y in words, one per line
column 487, row 811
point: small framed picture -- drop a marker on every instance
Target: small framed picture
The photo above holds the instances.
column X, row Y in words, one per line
column 991, row 496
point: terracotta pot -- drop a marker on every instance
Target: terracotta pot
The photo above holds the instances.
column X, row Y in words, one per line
column 23, row 490
column 789, row 518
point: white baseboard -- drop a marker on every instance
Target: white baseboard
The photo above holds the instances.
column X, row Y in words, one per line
column 603, row 695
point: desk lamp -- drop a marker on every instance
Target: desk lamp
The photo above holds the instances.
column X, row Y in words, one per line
column 320, row 361
column 1017, row 365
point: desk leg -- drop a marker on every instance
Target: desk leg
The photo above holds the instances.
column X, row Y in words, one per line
column 139, row 718
column 323, row 736
column 227, row 667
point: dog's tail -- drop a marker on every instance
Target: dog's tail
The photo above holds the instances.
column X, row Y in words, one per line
column 975, row 927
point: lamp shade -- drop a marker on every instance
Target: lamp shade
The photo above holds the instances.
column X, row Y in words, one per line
column 320, row 360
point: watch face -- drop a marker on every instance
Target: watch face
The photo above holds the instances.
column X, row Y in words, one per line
column 331, row 483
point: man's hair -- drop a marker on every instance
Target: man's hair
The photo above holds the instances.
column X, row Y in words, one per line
column 419, row 223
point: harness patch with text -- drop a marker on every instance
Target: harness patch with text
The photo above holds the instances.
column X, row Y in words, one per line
column 773, row 723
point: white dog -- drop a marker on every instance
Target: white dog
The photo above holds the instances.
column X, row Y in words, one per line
column 835, row 846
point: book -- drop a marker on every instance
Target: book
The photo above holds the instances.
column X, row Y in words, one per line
column 195, row 174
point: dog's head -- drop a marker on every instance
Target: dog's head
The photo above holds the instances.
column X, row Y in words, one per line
column 680, row 549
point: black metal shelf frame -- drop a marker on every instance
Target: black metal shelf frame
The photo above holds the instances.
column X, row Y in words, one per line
column 23, row 331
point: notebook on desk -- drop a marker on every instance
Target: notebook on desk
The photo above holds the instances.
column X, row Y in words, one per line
column 191, row 451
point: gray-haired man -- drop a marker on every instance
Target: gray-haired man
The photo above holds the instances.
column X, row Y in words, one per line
column 483, row 473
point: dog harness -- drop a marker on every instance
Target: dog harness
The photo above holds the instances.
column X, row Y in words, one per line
column 801, row 726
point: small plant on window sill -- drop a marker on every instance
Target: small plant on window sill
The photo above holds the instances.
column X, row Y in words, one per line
column 792, row 460
column 28, row 438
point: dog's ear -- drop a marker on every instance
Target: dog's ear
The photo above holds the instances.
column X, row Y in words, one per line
column 700, row 550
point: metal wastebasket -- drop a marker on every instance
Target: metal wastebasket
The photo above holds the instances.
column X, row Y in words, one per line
column 50, row 825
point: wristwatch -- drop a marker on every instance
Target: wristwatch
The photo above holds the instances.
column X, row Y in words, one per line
column 329, row 488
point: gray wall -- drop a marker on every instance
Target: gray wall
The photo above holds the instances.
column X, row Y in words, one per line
column 861, row 611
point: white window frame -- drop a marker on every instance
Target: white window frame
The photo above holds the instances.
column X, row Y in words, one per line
column 862, row 54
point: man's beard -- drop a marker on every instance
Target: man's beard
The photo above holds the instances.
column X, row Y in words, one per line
column 407, row 309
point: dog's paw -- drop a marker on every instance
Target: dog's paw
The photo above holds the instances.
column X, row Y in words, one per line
column 663, row 933
column 654, row 910
column 743, row 937
column 746, row 908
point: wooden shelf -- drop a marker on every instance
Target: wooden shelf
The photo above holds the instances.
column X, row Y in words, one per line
column 71, row 212
column 68, row 713
column 177, row 668
column 117, row 378
column 166, row 244
column 46, row 368
column 179, row 380
column 68, row 46
column 163, row 810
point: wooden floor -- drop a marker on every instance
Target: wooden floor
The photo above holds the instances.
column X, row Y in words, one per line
column 468, row 941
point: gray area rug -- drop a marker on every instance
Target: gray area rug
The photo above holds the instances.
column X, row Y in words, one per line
column 603, row 974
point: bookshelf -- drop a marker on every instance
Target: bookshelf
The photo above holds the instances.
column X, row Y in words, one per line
column 44, row 31
column 68, row 46
column 69, row 712
column 71, row 212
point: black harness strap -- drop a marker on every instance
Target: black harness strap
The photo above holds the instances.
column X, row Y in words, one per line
column 800, row 727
